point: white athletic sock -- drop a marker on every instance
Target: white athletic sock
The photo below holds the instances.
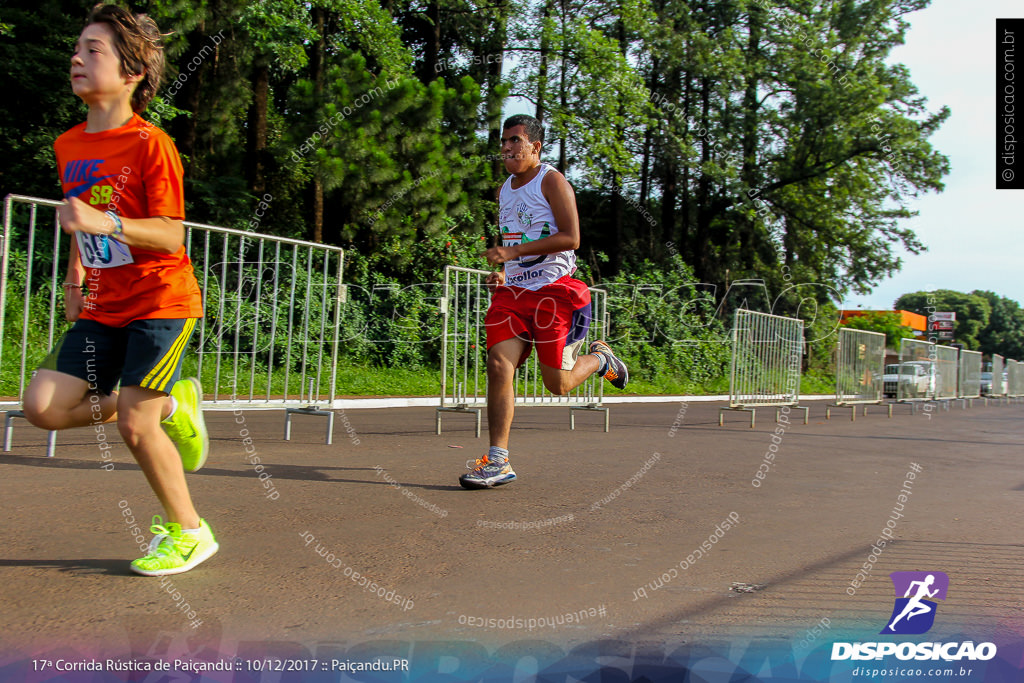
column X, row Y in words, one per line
column 603, row 367
column 497, row 455
column 174, row 406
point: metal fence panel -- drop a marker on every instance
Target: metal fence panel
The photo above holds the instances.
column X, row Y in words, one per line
column 1014, row 378
column 916, row 377
column 273, row 314
column 947, row 362
column 997, row 386
column 970, row 374
column 464, row 352
column 767, row 355
column 464, row 303
column 272, row 305
column 860, row 362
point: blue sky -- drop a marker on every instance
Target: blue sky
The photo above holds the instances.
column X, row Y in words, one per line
column 971, row 229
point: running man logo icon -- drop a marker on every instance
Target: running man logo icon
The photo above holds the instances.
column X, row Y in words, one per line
column 913, row 612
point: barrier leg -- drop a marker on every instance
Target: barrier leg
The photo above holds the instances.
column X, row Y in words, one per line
column 460, row 409
column 309, row 410
column 752, row 411
column 8, row 428
column 591, row 407
column 51, row 436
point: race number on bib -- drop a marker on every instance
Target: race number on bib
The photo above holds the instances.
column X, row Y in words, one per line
column 102, row 251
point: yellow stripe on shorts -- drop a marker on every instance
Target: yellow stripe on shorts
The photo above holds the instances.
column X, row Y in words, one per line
column 159, row 376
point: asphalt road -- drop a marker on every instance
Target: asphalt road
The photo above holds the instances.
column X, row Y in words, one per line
column 647, row 535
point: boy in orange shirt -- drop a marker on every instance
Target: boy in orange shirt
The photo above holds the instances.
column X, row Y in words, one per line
column 124, row 207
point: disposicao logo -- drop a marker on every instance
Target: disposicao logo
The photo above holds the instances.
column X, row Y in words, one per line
column 914, row 613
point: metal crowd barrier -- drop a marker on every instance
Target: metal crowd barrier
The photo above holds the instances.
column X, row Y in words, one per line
column 1014, row 379
column 947, row 366
column 765, row 369
column 860, row 364
column 997, row 388
column 969, row 375
column 916, row 378
column 464, row 354
column 269, row 338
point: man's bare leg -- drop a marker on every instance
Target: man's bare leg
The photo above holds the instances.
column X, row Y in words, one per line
column 561, row 382
column 494, row 469
column 502, row 359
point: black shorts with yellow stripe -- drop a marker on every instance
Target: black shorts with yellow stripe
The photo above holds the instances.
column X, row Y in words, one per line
column 145, row 353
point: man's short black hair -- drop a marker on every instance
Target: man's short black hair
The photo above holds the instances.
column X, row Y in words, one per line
column 534, row 129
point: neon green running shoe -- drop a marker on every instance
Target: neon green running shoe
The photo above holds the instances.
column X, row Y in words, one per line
column 172, row 551
column 186, row 426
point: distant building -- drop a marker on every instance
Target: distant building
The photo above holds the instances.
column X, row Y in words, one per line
column 918, row 323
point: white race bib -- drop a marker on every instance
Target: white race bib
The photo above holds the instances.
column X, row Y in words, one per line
column 511, row 239
column 102, row 251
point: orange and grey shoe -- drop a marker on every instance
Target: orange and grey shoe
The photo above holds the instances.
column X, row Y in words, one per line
column 616, row 371
column 486, row 474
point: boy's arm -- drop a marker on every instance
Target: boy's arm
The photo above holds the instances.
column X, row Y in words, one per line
column 74, row 300
column 159, row 233
column 75, row 273
column 560, row 196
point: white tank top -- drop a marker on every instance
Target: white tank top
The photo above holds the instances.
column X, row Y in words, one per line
column 524, row 215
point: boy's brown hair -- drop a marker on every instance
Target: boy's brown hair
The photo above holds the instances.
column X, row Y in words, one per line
column 137, row 41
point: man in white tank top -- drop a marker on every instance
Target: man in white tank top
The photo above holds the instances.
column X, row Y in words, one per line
column 536, row 301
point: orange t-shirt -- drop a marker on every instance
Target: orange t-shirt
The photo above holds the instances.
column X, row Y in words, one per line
column 136, row 172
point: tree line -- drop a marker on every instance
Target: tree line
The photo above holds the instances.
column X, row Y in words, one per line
column 742, row 135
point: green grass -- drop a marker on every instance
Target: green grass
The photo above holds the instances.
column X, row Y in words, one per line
column 358, row 380
column 352, row 380
column 817, row 384
column 665, row 384
column 355, row 379
column 361, row 380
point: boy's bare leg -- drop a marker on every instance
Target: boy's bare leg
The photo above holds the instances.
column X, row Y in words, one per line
column 561, row 382
column 55, row 400
column 139, row 413
column 502, row 359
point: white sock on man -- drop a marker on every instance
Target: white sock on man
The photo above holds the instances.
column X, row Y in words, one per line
column 497, row 455
column 174, row 406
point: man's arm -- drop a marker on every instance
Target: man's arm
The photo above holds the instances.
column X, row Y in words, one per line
column 560, row 196
column 159, row 233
